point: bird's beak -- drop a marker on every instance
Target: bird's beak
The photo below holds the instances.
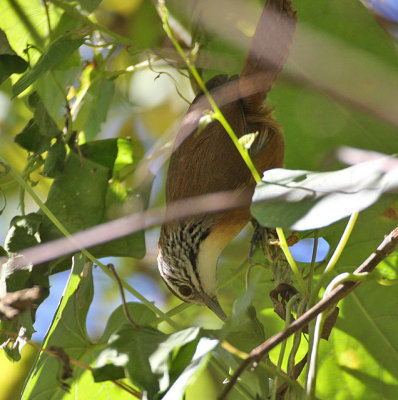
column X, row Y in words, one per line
column 214, row 306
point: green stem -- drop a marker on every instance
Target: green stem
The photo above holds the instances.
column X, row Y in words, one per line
column 289, row 306
column 296, row 340
column 217, row 112
column 335, row 257
column 312, row 265
column 311, row 375
column 342, row 243
column 290, row 260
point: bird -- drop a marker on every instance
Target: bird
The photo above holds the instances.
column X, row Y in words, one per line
column 206, row 161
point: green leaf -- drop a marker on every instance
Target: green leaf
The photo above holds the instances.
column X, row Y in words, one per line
column 373, row 384
column 96, row 91
column 41, row 116
column 303, row 200
column 23, row 232
column 68, row 330
column 82, row 195
column 362, row 352
column 10, row 62
column 152, row 359
column 120, row 155
column 108, row 372
column 373, row 322
column 3, row 252
column 58, row 51
column 100, row 94
column 125, row 156
column 134, row 347
column 361, row 243
column 31, row 139
column 140, row 313
column 77, row 196
column 242, row 329
column 198, row 362
column 38, row 132
column 107, row 365
column 24, row 23
column 89, row 5
column 103, row 152
column 55, row 159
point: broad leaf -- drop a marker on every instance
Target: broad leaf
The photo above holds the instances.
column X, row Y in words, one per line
column 82, row 196
column 23, row 232
column 77, row 196
column 154, row 361
column 55, row 159
column 38, row 132
column 199, row 361
column 304, row 200
column 98, row 92
column 362, row 352
column 68, row 331
column 58, row 51
column 10, row 62
column 242, row 328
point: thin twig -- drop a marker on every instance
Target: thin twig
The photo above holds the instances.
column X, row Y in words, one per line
column 121, row 290
column 342, row 290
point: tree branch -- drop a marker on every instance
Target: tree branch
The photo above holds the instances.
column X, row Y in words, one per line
column 385, row 248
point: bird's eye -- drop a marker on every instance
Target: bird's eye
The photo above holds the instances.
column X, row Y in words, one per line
column 185, row 290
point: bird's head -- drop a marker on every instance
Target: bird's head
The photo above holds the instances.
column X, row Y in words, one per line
column 187, row 260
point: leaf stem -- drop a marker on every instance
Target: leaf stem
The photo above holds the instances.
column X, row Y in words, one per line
column 289, row 306
column 342, row 243
column 335, row 257
column 285, row 248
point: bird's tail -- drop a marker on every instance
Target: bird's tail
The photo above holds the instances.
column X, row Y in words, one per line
column 268, row 52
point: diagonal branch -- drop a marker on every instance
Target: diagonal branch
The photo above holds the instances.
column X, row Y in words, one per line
column 385, row 248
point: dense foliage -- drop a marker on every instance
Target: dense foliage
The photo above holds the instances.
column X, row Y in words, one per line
column 91, row 94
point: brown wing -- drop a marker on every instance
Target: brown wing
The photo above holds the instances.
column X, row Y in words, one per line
column 208, row 161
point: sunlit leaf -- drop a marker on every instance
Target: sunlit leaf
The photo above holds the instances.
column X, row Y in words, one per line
column 58, row 51
column 154, row 360
column 55, row 159
column 23, row 232
column 10, row 62
column 70, row 317
column 304, row 200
